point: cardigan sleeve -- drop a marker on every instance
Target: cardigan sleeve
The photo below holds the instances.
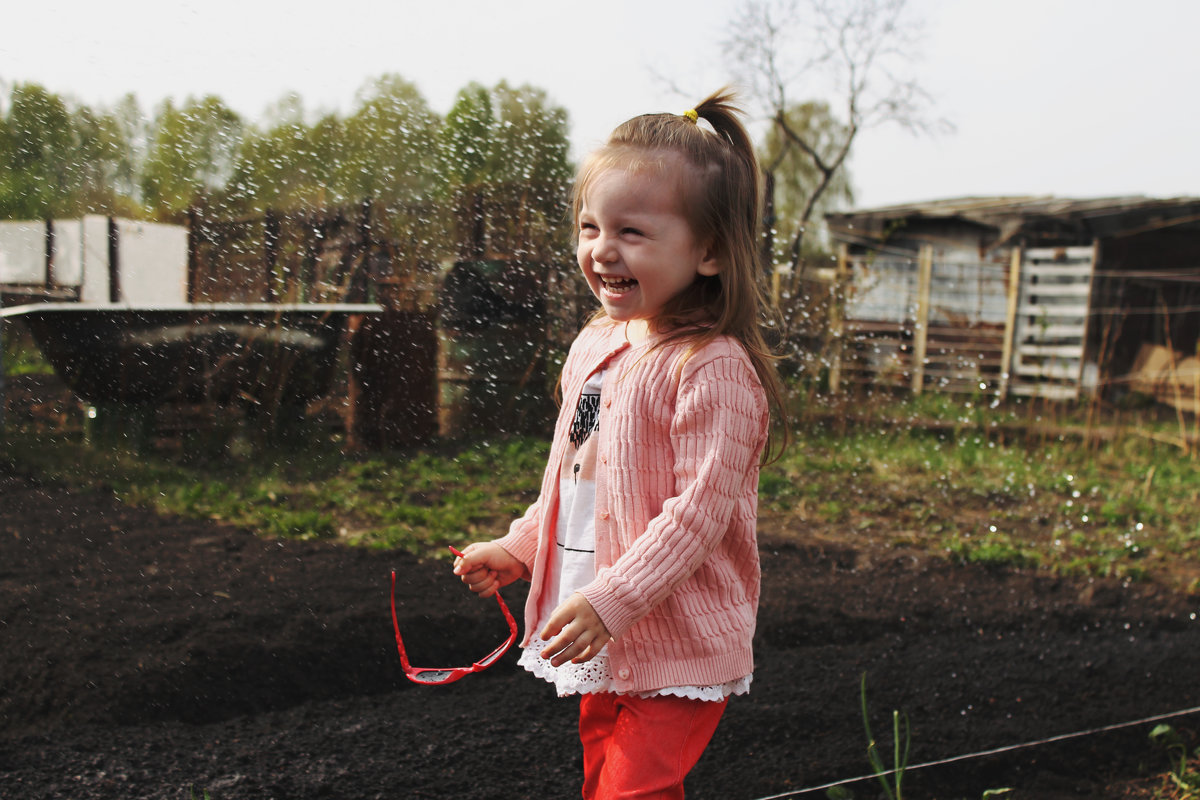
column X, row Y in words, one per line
column 717, row 433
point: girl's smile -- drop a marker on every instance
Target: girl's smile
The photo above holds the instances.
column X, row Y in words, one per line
column 617, row 285
column 636, row 248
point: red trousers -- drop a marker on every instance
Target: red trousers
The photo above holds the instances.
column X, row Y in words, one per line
column 642, row 748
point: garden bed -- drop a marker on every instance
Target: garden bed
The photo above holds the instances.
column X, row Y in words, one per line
column 149, row 656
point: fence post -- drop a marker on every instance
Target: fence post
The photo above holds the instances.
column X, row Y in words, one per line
column 271, row 234
column 1089, row 304
column 921, row 334
column 1010, row 321
column 49, row 276
column 837, row 318
column 114, row 261
column 3, row 388
column 193, row 252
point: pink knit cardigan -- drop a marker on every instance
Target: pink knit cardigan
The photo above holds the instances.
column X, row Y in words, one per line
column 677, row 464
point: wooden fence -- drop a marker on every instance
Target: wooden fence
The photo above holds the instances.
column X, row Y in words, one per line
column 997, row 327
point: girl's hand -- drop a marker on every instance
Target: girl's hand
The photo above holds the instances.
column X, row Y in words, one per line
column 574, row 632
column 486, row 567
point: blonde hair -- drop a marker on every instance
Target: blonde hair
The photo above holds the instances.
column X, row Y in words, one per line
column 721, row 192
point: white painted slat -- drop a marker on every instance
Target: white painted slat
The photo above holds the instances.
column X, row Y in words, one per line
column 1036, row 254
column 1055, row 370
column 1074, row 351
column 1060, row 270
column 1055, row 331
column 1048, row 311
column 1050, row 391
column 1059, row 289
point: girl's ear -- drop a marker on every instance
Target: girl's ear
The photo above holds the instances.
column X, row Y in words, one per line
column 710, row 264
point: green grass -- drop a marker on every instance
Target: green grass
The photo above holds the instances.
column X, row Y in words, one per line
column 953, row 480
column 980, row 493
column 419, row 500
column 1182, row 782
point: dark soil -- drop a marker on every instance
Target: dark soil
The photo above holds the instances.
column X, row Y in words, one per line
column 146, row 657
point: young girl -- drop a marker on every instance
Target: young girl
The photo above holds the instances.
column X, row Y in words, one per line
column 641, row 548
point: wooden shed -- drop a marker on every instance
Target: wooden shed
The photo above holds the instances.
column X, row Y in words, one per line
column 1040, row 296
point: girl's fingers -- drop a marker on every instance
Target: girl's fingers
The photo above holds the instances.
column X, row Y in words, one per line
column 483, row 582
column 566, row 646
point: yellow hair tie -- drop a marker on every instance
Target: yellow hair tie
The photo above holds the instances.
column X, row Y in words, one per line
column 691, row 115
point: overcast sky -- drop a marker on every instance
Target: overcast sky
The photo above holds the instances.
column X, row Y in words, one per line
column 1077, row 98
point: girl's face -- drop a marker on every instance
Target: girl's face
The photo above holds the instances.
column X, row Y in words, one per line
column 636, row 248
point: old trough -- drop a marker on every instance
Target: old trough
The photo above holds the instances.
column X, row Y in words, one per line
column 212, row 352
column 110, row 304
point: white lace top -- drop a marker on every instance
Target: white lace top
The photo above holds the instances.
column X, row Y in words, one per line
column 573, row 565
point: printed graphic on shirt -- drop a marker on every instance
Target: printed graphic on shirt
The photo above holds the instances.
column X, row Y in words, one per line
column 574, row 562
column 580, row 457
column 587, row 416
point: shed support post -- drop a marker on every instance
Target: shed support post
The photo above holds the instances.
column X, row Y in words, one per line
column 837, row 318
column 3, row 396
column 921, row 332
column 193, row 253
column 50, row 281
column 1010, row 321
column 114, row 261
column 271, row 233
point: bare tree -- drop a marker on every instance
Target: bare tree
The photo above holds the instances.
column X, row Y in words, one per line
column 856, row 52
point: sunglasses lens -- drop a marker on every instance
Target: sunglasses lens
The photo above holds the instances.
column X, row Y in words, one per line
column 432, row 675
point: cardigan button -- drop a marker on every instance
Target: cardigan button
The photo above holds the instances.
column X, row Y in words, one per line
column 603, row 515
column 623, row 674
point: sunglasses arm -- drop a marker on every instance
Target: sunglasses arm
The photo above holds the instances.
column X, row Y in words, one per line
column 396, row 627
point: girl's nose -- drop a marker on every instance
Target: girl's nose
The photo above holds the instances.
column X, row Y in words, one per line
column 602, row 249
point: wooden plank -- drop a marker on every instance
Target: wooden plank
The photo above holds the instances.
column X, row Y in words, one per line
column 1059, row 332
column 1080, row 271
column 1053, row 254
column 866, row 326
column 1050, row 391
column 837, row 316
column 1052, row 350
column 921, row 329
column 1037, row 311
column 1059, row 289
column 1060, row 371
column 1087, row 321
column 1010, row 318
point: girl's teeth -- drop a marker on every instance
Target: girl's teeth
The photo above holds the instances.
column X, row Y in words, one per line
column 618, row 285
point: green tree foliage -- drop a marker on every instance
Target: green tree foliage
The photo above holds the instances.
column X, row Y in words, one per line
column 191, row 155
column 498, row 163
column 505, row 151
column 56, row 160
column 132, row 129
column 467, row 137
column 387, row 150
column 288, row 166
column 530, row 144
column 389, row 146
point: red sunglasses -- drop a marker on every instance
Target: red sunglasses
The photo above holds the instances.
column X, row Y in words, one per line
column 436, row 677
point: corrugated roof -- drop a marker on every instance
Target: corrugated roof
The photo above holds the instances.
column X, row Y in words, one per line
column 1102, row 216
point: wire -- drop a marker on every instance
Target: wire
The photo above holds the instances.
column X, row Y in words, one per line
column 995, row 751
